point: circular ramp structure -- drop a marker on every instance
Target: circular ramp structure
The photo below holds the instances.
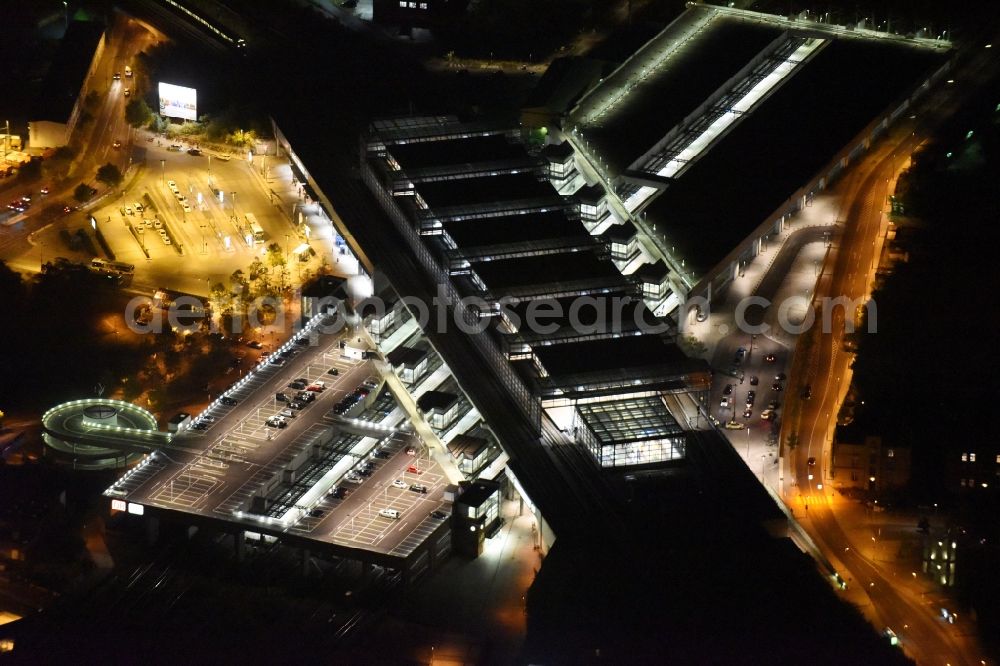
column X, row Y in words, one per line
column 100, row 433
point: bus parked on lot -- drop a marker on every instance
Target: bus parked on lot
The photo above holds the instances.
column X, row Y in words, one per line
column 255, row 230
column 112, row 267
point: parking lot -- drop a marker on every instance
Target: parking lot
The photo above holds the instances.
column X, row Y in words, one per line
column 217, row 469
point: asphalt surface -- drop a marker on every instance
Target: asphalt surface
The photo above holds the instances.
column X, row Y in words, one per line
column 215, row 472
column 923, row 635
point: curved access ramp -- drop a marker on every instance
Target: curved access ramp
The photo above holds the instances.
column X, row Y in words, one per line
column 100, row 433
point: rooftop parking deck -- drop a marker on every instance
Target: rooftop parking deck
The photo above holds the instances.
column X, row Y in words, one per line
column 216, row 473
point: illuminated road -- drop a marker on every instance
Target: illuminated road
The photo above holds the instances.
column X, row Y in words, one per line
column 824, row 365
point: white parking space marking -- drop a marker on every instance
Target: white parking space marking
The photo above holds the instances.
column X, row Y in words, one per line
column 186, row 489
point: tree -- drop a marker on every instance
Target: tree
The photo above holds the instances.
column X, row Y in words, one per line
column 109, row 174
column 83, row 192
column 138, row 113
column 56, row 166
column 219, row 297
column 275, row 256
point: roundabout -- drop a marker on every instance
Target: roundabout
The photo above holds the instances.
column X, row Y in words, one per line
column 99, row 433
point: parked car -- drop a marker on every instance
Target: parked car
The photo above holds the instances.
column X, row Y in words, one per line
column 333, row 371
column 295, row 404
column 440, row 515
column 226, row 400
column 399, row 483
column 734, row 425
column 419, row 488
column 389, row 513
column 253, row 344
column 281, row 397
column 754, row 380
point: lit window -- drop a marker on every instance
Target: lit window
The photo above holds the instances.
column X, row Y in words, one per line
column 965, row 457
column 413, row 5
column 972, row 457
column 998, row 458
column 423, row 5
column 402, row 3
column 892, row 454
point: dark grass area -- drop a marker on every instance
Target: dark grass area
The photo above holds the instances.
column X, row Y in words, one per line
column 782, row 145
column 693, row 74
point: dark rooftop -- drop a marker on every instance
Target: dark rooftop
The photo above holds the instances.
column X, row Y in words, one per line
column 653, row 273
column 323, row 286
column 467, row 446
column 478, row 492
column 513, row 229
column 620, row 233
column 610, row 354
column 485, row 190
column 545, row 269
column 565, row 81
column 743, row 179
column 696, row 71
column 455, row 151
column 408, row 356
column 602, row 310
column 439, row 400
column 558, row 152
column 69, row 69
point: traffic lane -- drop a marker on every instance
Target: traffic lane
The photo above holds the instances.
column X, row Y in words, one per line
column 905, row 615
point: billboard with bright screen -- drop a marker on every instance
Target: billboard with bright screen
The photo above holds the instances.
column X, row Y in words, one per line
column 178, row 101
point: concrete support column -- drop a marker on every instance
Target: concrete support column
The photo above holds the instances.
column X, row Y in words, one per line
column 152, row 529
